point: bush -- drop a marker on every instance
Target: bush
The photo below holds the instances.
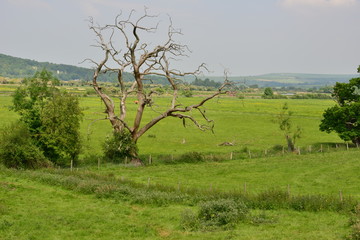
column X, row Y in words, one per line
column 119, row 146
column 18, row 150
column 191, row 157
column 222, row 212
column 187, row 93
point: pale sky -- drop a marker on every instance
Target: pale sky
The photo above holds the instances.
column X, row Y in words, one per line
column 247, row 37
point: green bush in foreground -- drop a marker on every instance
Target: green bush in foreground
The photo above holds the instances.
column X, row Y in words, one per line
column 221, row 213
column 18, row 150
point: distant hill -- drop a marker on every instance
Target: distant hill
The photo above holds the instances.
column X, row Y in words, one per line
column 14, row 67
column 290, row 79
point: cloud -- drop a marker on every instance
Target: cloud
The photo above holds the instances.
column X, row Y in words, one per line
column 318, row 3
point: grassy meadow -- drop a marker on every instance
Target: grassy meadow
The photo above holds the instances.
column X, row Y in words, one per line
column 116, row 201
column 247, row 123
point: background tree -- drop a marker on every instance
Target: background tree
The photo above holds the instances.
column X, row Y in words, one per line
column 286, row 126
column 268, row 93
column 344, row 118
column 51, row 116
column 126, row 48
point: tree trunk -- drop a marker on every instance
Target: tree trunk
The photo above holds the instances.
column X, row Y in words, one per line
column 291, row 147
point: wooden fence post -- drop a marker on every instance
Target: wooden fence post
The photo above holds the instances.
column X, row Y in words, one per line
column 341, row 196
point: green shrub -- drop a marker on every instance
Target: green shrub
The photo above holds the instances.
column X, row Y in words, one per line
column 187, row 93
column 191, row 157
column 222, row 213
column 119, row 146
column 18, row 150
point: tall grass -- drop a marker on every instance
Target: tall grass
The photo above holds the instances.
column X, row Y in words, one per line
column 158, row 194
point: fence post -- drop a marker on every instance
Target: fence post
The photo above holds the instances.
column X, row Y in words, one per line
column 71, row 165
column 299, row 150
column 249, row 153
column 245, row 188
column 341, row 196
column 98, row 163
column 231, row 155
column 150, row 159
column 321, row 148
column 148, row 182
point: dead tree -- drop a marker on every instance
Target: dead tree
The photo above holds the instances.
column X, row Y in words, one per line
column 125, row 50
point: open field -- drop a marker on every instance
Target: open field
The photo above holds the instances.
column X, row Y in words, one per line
column 91, row 203
column 248, row 123
column 30, row 209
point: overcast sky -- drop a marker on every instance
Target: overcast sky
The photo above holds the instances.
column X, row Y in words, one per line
column 248, row 37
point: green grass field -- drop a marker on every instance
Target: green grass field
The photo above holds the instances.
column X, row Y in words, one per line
column 245, row 122
column 31, row 208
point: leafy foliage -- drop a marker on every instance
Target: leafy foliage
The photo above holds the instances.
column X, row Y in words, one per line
column 18, row 149
column 286, row 126
column 207, row 83
column 60, row 124
column 268, row 93
column 221, row 213
column 52, row 117
column 344, row 118
column 119, row 146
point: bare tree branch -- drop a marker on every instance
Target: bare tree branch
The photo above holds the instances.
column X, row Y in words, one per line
column 126, row 51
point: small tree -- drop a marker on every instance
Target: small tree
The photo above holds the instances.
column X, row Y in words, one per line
column 285, row 124
column 268, row 93
column 51, row 116
column 60, row 128
column 344, row 118
column 126, row 48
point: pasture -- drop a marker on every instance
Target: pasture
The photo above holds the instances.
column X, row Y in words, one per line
column 247, row 123
column 100, row 200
